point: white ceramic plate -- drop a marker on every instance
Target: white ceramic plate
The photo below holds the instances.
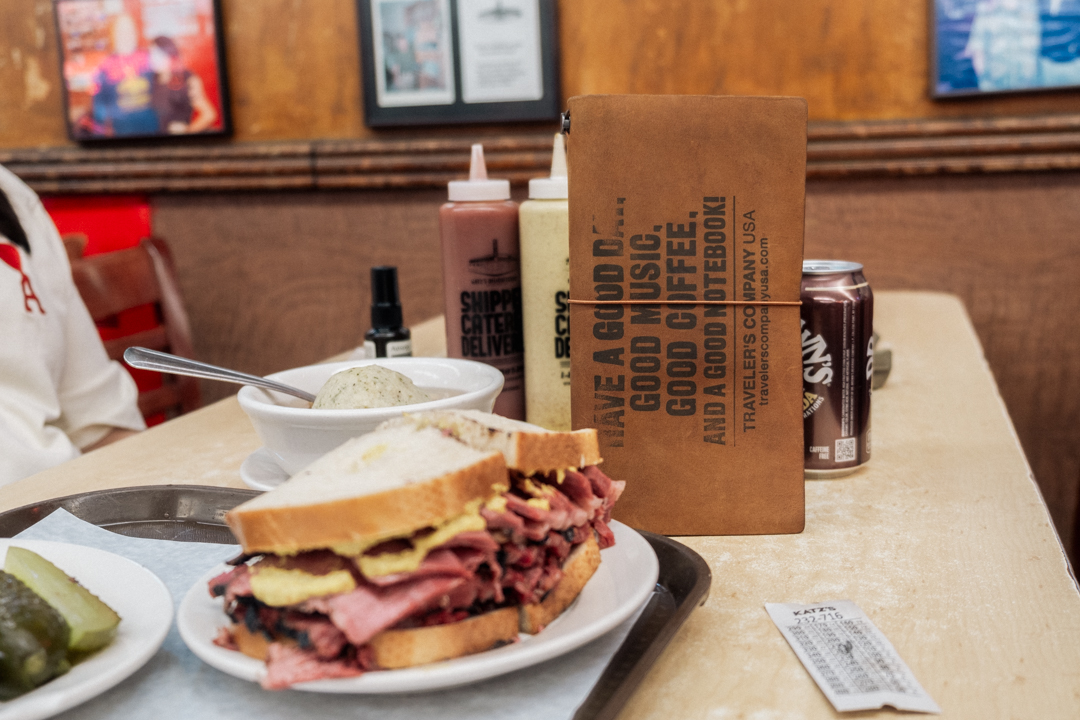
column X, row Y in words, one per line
column 136, row 594
column 260, row 472
column 624, row 581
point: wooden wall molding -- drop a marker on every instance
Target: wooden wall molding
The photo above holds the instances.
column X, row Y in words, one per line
column 834, row 150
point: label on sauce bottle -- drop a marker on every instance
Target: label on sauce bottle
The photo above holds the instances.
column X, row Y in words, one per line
column 488, row 323
column 394, row 348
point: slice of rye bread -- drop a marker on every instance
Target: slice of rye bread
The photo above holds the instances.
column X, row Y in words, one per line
column 527, row 448
column 252, row 644
column 418, row 646
column 384, row 484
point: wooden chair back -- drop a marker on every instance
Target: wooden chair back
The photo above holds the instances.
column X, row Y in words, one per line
column 113, row 282
column 75, row 244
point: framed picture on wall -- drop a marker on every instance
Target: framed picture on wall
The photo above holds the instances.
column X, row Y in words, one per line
column 142, row 68
column 996, row 46
column 458, row 61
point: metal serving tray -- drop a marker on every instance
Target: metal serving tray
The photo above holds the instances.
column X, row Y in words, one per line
column 191, row 513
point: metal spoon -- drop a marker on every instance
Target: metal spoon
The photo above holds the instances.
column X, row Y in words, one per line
column 146, row 359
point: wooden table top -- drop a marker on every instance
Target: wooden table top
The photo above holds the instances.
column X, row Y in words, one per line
column 942, row 539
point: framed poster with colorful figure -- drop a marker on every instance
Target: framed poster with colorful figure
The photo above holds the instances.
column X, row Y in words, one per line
column 142, row 68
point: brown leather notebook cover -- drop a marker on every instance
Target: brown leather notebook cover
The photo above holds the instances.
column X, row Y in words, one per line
column 686, row 237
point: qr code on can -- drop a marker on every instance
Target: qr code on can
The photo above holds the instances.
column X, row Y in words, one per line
column 845, row 449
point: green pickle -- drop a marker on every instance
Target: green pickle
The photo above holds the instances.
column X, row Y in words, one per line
column 33, row 639
column 92, row 622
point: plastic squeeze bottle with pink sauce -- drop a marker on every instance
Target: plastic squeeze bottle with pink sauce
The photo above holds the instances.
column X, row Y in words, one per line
column 482, row 279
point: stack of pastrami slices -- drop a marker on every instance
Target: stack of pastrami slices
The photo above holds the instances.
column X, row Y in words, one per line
column 438, row 535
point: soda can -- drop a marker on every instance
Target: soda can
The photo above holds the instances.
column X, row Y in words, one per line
column 837, row 322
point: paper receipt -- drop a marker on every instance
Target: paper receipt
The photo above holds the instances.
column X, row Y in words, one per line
column 851, row 661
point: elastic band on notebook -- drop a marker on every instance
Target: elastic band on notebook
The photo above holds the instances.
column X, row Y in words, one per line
column 685, row 302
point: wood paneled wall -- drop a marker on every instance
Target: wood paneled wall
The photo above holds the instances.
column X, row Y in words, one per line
column 277, row 280
column 294, row 66
column 850, row 59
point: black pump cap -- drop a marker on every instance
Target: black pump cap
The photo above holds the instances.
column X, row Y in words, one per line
column 385, row 306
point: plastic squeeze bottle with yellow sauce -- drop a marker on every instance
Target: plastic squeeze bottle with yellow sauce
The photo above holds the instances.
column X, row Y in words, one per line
column 545, row 290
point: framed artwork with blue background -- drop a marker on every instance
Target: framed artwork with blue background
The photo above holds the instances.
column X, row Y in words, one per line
column 1002, row 46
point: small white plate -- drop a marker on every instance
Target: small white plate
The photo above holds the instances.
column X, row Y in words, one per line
column 136, row 594
column 260, row 471
column 624, row 581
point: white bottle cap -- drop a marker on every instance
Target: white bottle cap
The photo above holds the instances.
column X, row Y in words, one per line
column 554, row 187
column 478, row 187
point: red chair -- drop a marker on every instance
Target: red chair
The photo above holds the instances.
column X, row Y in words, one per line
column 113, row 282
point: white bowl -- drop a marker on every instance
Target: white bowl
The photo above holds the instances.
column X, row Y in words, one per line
column 295, row 435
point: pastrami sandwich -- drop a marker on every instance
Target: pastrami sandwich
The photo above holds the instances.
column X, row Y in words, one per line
column 438, row 535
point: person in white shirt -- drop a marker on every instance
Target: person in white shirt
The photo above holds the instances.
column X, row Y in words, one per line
column 60, row 394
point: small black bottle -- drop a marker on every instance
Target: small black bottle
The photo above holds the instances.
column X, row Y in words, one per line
column 387, row 336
